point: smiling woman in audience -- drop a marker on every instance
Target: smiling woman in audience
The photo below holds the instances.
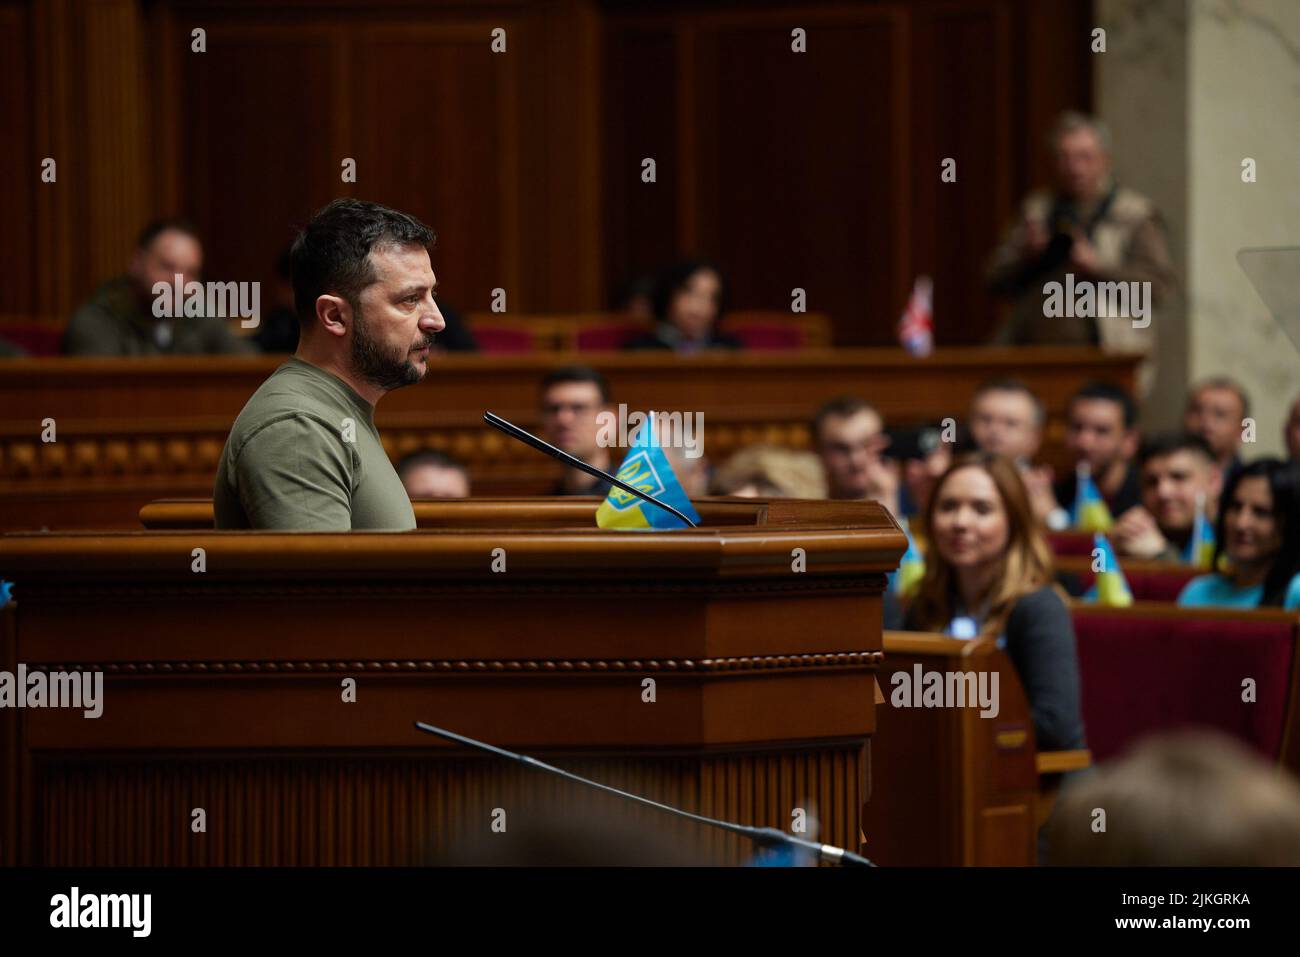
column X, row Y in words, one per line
column 1259, row 535
column 988, row 571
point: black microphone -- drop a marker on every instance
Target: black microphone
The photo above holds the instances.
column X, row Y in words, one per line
column 763, row 836
column 515, row 432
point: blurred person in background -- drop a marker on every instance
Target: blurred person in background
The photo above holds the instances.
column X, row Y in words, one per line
column 689, row 300
column 1188, row 799
column 848, row 435
column 572, row 398
column 1215, row 411
column 762, row 471
column 433, row 474
column 1258, row 532
column 1093, row 228
column 1176, row 471
column 118, row 319
column 989, row 571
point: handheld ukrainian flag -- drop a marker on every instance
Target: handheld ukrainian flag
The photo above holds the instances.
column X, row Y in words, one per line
column 1200, row 550
column 1090, row 511
column 1111, row 588
column 911, row 567
column 645, row 467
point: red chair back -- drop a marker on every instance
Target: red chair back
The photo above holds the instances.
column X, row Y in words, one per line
column 1151, row 669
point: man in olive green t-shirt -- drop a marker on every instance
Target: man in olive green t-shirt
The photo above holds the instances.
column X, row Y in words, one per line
column 304, row 454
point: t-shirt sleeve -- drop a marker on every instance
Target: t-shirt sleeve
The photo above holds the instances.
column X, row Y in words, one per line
column 296, row 473
column 1291, row 600
column 1040, row 642
column 1193, row 594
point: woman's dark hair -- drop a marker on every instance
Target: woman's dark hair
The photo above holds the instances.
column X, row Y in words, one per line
column 677, row 276
column 332, row 254
column 1284, row 488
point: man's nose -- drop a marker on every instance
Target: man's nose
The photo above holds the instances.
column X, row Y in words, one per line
column 435, row 316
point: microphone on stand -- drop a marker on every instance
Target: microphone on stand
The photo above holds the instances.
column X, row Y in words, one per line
column 763, row 836
column 526, row 437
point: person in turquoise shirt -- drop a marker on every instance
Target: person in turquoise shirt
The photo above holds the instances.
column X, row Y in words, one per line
column 1259, row 534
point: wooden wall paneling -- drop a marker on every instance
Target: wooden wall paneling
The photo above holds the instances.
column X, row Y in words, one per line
column 251, row 167
column 961, row 81
column 55, row 120
column 639, row 110
column 438, row 134
column 573, row 185
column 20, row 160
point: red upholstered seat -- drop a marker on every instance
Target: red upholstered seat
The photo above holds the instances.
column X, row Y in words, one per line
column 1070, row 543
column 500, row 341
column 38, row 339
column 769, row 336
column 1148, row 584
column 1146, row 670
column 606, row 338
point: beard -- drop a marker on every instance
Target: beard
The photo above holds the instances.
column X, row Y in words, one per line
column 383, row 368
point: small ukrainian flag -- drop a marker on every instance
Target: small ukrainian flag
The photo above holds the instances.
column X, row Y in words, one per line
column 1090, row 511
column 911, row 567
column 1111, row 588
column 645, row 467
column 1200, row 550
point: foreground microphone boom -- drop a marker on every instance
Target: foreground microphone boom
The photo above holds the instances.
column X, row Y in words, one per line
column 765, row 836
column 515, row 432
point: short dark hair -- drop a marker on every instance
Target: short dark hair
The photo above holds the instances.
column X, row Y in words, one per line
column 1008, row 384
column 1167, row 443
column 1284, row 488
column 159, row 226
column 576, row 374
column 1225, row 383
column 1109, row 392
column 841, row 407
column 676, row 276
column 332, row 253
column 430, row 457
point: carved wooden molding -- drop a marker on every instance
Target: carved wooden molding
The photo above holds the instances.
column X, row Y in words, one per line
column 834, row 660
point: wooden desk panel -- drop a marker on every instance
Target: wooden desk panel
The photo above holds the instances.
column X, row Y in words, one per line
column 222, row 689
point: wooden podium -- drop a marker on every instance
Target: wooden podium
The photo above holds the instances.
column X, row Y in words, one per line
column 226, row 657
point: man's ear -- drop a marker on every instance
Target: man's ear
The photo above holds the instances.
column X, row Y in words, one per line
column 1132, row 439
column 334, row 314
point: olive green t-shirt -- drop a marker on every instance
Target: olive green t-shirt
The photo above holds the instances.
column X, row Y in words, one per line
column 305, row 454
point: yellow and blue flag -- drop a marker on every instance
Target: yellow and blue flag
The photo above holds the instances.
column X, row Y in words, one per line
column 1111, row 588
column 911, row 567
column 1200, row 550
column 645, row 467
column 1090, row 513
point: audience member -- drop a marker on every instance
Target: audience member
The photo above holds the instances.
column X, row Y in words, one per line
column 848, row 435
column 988, row 571
column 688, row 302
column 1006, row 418
column 430, row 473
column 1088, row 227
column 119, row 320
column 762, row 471
column 1179, row 481
column 1101, row 431
column 1187, row 799
column 572, row 397
column 1292, row 433
column 1215, row 411
column 1259, row 533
